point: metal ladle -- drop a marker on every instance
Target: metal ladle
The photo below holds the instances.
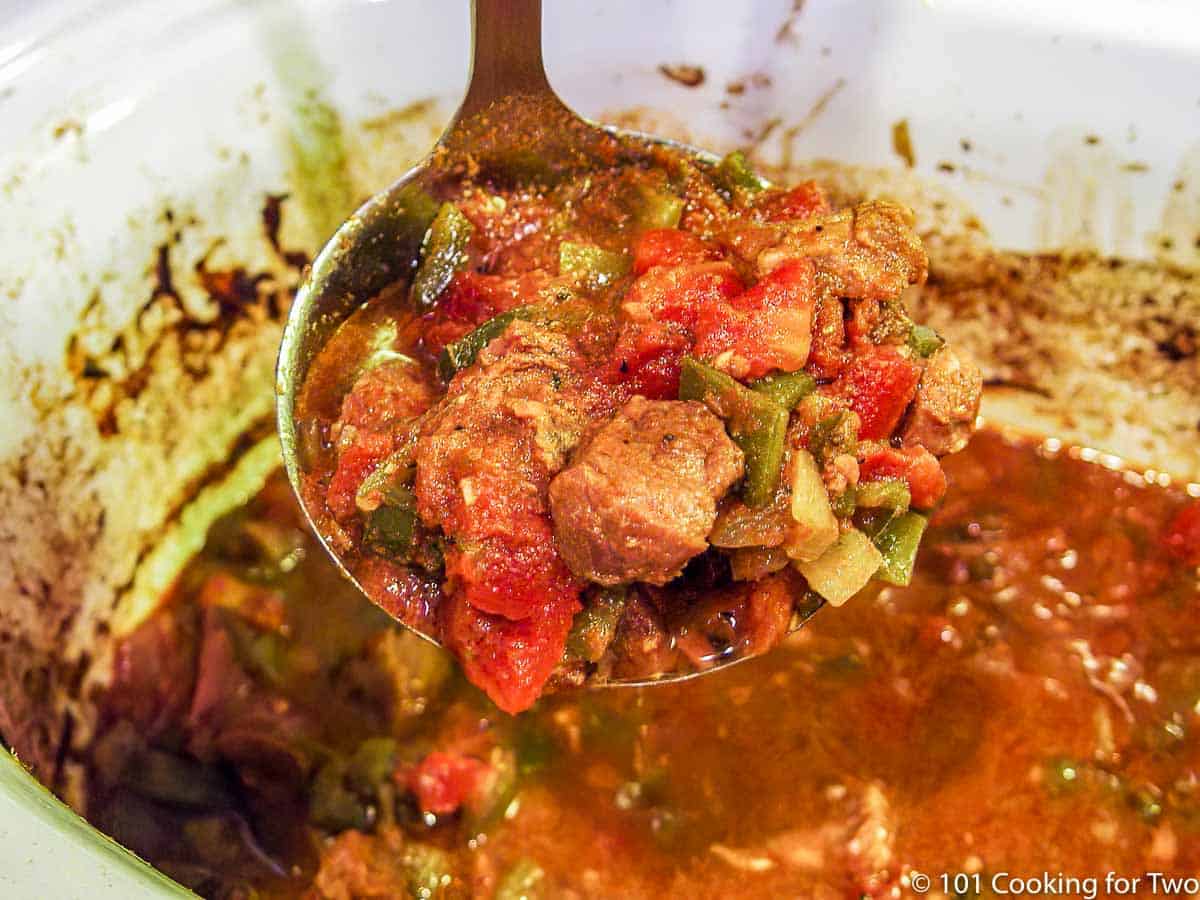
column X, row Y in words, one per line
column 510, row 116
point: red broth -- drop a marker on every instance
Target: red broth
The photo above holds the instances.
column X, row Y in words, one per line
column 1028, row 705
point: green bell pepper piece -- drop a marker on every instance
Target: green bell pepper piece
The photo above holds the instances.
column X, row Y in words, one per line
column 391, row 526
column 658, row 209
column 596, row 625
column 443, row 252
column 786, row 389
column 924, row 340
column 460, row 354
column 898, row 538
column 888, row 493
column 593, row 265
column 844, row 504
column 757, row 424
column 735, row 173
column 833, row 435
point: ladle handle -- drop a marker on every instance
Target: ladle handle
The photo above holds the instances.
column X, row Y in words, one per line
column 506, row 39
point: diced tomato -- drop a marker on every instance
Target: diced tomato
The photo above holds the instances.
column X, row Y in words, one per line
column 354, row 465
column 647, row 359
column 678, row 294
column 916, row 465
column 510, row 660
column 1182, row 538
column 442, row 782
column 803, row 201
column 510, row 577
column 765, row 328
column 469, row 300
column 669, row 247
column 879, row 388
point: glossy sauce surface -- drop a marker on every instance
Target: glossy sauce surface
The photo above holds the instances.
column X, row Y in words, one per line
column 1029, row 704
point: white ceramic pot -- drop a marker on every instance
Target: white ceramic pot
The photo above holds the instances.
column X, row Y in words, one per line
column 141, row 140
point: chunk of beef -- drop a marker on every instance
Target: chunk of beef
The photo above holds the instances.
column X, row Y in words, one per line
column 870, row 251
column 485, row 457
column 639, row 497
column 947, row 403
column 381, row 398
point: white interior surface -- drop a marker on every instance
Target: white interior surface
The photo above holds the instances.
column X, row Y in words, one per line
column 1079, row 118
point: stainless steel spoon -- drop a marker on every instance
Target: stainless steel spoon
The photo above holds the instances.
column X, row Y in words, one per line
column 509, row 110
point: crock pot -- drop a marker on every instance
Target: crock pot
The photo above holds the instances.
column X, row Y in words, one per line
column 168, row 169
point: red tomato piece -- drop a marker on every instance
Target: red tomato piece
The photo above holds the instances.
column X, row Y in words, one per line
column 804, row 201
column 510, row 577
column 765, row 328
column 647, row 359
column 879, row 388
column 679, row 294
column 442, row 782
column 354, row 465
column 1182, row 537
column 916, row 465
column 469, row 300
column 669, row 247
column 510, row 660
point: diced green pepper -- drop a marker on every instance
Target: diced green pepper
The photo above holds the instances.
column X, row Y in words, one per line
column 522, row 882
column 443, row 252
column 844, row 569
column 898, row 540
column 390, row 528
column 460, row 354
column 924, row 340
column 428, row 870
column 887, row 493
column 735, row 173
column 844, row 504
column 593, row 265
column 596, row 625
column 757, row 424
column 836, row 434
column 332, row 805
column 395, row 471
column 786, row 389
column 658, row 209
column 372, row 764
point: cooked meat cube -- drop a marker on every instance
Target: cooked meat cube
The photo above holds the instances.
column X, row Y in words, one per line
column 943, row 413
column 640, row 496
column 506, row 423
column 869, row 251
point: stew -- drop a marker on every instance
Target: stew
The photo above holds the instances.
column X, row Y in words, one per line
column 634, row 421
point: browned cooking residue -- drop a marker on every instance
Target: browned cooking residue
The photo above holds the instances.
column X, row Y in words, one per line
column 122, row 369
column 687, row 75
